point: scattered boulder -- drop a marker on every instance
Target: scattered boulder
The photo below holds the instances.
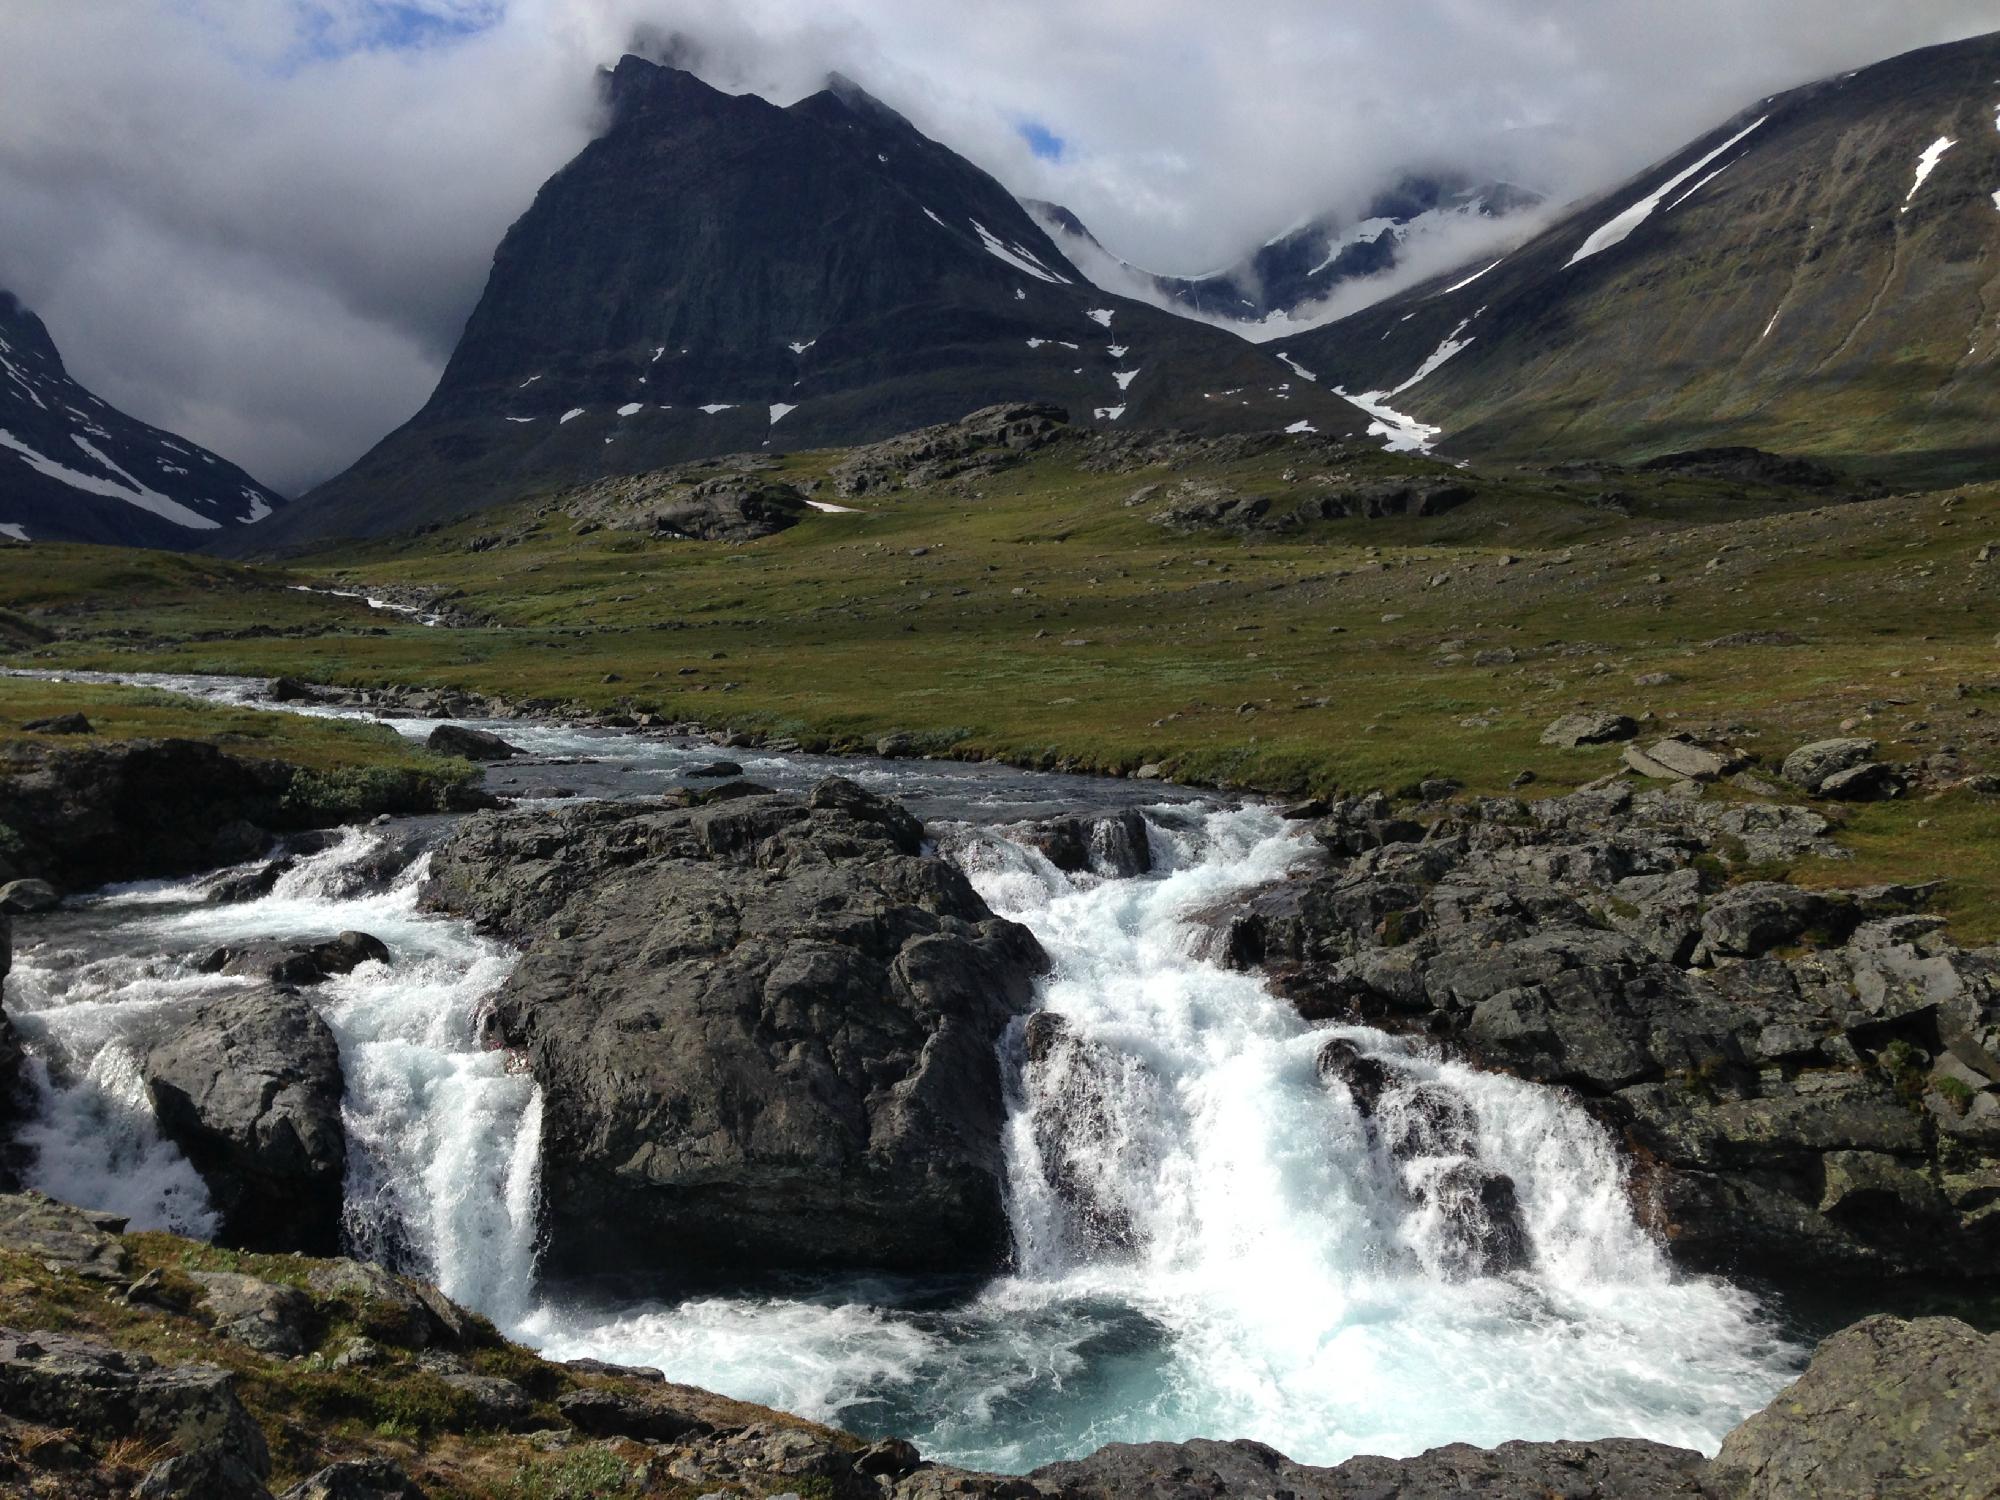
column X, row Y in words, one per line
column 60, row 724
column 78, row 1241
column 764, row 1029
column 262, row 1315
column 1887, row 1407
column 492, row 1402
column 250, row 1089
column 467, row 743
column 1578, row 729
column 357, row 1479
column 605, row 1413
column 26, row 897
column 1689, row 761
column 1872, row 782
column 1810, row 766
column 64, row 1381
column 398, row 1310
column 731, row 510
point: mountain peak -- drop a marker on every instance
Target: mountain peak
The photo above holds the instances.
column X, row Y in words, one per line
column 74, row 468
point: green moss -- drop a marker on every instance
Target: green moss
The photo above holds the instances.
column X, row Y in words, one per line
column 1954, row 1091
column 1906, row 1066
column 583, row 1475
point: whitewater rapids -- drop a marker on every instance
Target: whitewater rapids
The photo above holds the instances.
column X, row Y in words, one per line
column 1280, row 1281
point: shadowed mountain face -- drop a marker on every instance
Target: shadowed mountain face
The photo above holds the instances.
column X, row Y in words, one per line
column 74, row 469
column 716, row 274
column 1306, row 265
column 1819, row 275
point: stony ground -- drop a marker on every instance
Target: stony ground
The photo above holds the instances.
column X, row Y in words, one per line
column 140, row 1365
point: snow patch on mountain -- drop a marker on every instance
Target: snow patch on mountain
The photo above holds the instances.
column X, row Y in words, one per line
column 1451, row 346
column 1927, row 164
column 1619, row 229
column 1016, row 256
column 131, row 491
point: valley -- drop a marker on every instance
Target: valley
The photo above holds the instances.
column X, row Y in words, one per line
column 880, row 857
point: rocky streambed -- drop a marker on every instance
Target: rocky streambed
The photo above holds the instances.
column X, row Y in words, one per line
column 1058, row 1123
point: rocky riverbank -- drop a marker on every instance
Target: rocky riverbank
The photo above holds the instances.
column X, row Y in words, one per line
column 140, row 1365
column 1808, row 1080
column 82, row 815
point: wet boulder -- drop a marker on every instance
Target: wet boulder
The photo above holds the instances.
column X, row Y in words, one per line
column 765, row 1030
column 307, row 962
column 28, row 897
column 1077, row 1090
column 249, row 1088
column 1112, row 844
column 467, row 743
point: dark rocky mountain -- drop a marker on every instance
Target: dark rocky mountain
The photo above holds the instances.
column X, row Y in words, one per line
column 717, row 274
column 1309, row 263
column 1819, row 275
column 75, row 469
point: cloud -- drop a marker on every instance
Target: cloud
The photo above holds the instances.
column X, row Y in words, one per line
column 263, row 222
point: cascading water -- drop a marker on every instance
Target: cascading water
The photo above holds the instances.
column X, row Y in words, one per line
column 442, row 1137
column 1217, row 1231
column 1226, row 1245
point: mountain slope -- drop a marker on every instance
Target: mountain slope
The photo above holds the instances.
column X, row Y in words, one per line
column 716, row 274
column 75, row 469
column 1308, row 264
column 1819, row 275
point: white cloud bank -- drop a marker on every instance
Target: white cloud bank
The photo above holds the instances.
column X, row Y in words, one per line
column 263, row 222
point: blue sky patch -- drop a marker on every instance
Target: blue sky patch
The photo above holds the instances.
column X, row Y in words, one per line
column 1043, row 141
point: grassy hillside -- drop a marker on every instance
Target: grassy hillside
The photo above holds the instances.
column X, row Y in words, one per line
column 1041, row 613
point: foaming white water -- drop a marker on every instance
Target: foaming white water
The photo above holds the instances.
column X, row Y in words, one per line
column 1227, row 1246
column 442, row 1136
column 1209, row 1237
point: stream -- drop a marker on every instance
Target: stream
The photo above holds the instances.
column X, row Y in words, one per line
column 1277, row 1273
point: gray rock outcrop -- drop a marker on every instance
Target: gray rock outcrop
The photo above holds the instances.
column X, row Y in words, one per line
column 1806, row 1078
column 764, row 1029
column 250, row 1088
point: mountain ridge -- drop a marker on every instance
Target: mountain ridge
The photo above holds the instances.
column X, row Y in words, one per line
column 75, row 468
column 717, row 274
column 1795, row 279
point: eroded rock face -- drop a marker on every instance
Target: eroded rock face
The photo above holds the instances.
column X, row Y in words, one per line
column 250, row 1088
column 1613, row 1469
column 1887, row 1407
column 988, row 439
column 1810, row 1079
column 62, row 1381
column 764, row 1028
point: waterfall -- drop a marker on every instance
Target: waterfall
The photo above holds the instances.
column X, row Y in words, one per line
column 442, row 1136
column 1226, row 1221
